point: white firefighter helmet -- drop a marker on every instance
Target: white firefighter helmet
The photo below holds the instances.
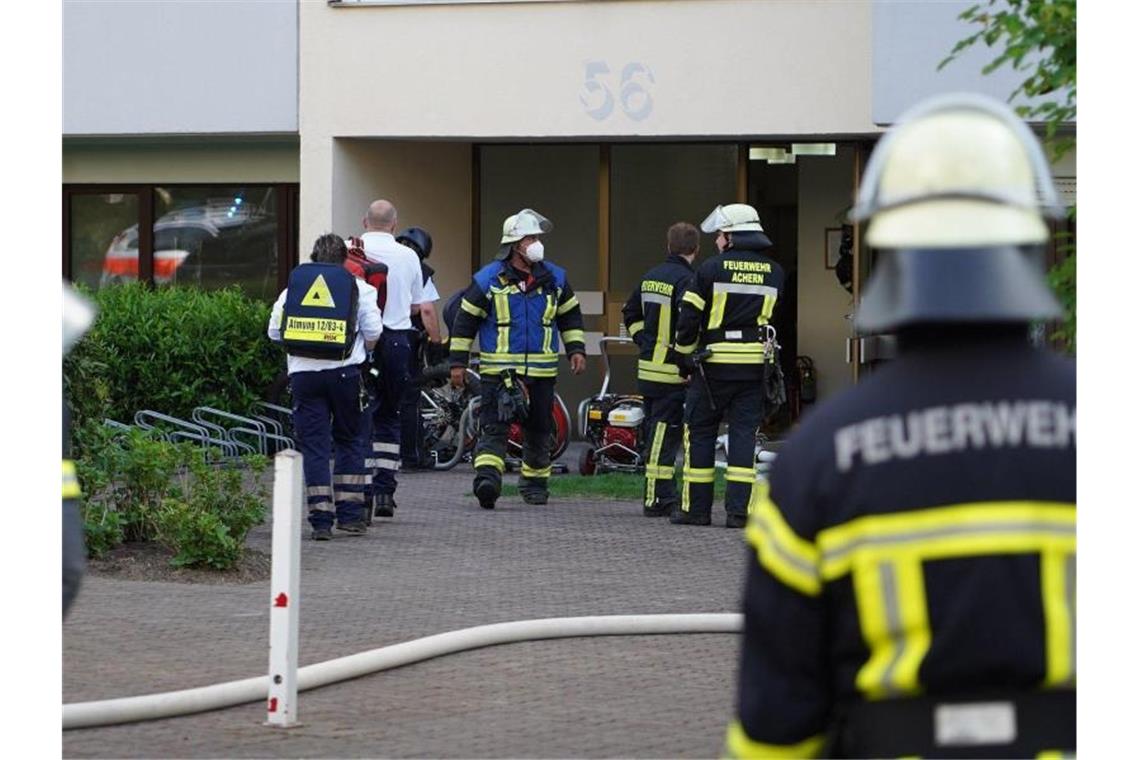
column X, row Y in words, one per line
column 526, row 222
column 78, row 314
column 735, row 217
column 955, row 194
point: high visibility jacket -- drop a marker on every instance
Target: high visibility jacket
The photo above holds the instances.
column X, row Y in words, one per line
column 918, row 538
column 518, row 320
column 732, row 297
column 650, row 316
column 375, row 273
column 318, row 319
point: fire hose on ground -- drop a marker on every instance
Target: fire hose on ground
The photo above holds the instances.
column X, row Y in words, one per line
column 188, row 701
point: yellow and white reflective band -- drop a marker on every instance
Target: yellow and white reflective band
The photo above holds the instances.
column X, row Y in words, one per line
column 737, row 744
column 686, row 349
column 70, row 481
column 685, row 484
column 651, row 468
column 1059, row 601
column 573, row 336
column 965, row 530
column 736, row 353
column 461, row 344
column 716, row 313
column 699, row 474
column 664, row 328
column 693, row 298
column 472, row 309
column 890, row 597
column 531, row 371
column 551, row 306
column 503, row 320
column 659, row 472
column 766, row 312
column 790, row 559
column 636, row 327
column 567, row 305
column 741, row 475
column 547, row 338
column 659, row 368
column 535, row 472
column 490, row 460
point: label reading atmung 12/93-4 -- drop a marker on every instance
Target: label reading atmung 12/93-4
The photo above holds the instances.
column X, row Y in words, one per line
column 312, row 329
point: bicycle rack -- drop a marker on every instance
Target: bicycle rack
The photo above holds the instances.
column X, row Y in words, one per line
column 245, row 426
column 185, row 430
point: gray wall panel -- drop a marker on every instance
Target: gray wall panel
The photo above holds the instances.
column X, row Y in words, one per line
column 179, row 66
column 910, row 38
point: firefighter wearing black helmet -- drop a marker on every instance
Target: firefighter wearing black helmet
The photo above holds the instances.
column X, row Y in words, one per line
column 724, row 319
column 911, row 581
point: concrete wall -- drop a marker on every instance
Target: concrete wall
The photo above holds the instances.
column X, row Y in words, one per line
column 179, row 66
column 911, row 37
column 430, row 183
column 126, row 161
column 825, row 190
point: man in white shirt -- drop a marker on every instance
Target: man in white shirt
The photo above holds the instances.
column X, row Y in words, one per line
column 405, row 295
column 327, row 338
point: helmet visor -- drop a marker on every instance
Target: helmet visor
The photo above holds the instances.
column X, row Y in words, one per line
column 717, row 220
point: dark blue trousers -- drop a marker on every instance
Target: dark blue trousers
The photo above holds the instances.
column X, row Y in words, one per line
column 394, row 351
column 327, row 415
column 411, row 431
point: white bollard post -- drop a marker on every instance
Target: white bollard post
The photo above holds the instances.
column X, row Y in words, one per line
column 284, row 590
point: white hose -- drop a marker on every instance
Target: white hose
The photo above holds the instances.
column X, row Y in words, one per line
column 173, row 703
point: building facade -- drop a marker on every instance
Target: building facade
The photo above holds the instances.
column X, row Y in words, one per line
column 212, row 142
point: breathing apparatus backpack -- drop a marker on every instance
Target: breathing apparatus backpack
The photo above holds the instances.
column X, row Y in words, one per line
column 319, row 317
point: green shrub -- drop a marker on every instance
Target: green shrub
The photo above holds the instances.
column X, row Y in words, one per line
column 170, row 349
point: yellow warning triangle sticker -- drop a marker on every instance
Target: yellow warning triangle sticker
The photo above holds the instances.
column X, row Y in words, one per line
column 319, row 294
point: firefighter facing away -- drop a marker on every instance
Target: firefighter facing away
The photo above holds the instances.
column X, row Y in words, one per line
column 650, row 316
column 725, row 314
column 911, row 581
column 517, row 307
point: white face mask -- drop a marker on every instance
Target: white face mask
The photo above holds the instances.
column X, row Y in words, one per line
column 534, row 252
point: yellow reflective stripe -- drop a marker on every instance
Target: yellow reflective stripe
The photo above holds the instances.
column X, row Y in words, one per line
column 891, row 600
column 790, row 559
column 1058, row 596
column 636, row 327
column 1052, row 754
column 684, row 483
column 664, row 368
column 661, row 472
column 490, row 460
column 738, row 744
column 567, row 305
column 766, row 312
column 699, row 474
column 692, row 298
column 531, row 472
column 686, row 349
column 70, row 481
column 461, row 344
column 735, row 359
column 547, row 337
column 472, row 309
column 651, row 467
column 541, row 372
column 573, row 336
column 716, row 313
column 741, row 474
column 664, row 324
column 503, row 320
column 965, row 530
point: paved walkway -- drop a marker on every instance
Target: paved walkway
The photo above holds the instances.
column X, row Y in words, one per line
column 441, row 564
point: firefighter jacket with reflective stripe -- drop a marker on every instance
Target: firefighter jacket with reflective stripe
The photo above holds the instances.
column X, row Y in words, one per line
column 918, row 538
column 650, row 316
column 725, row 310
column 375, row 273
column 517, row 320
column 318, row 318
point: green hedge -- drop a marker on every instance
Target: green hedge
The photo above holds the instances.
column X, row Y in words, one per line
column 170, row 349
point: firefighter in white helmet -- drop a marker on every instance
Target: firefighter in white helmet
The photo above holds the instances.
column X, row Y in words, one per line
column 517, row 307
column 911, row 583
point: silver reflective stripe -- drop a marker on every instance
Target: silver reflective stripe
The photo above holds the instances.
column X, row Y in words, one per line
column 373, row 463
column 657, row 298
column 752, row 290
column 350, row 496
column 388, row 464
column 386, row 448
column 351, row 480
column 319, row 491
column 321, row 506
column 1023, row 526
column 894, row 622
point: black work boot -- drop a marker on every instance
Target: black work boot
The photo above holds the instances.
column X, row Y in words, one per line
column 486, row 493
column 357, row 528
column 661, row 508
column 384, row 505
column 689, row 518
column 323, row 533
column 535, row 497
column 735, row 521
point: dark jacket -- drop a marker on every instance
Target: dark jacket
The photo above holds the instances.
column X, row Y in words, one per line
column 650, row 315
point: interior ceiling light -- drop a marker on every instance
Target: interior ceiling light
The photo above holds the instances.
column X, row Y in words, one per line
column 813, row 149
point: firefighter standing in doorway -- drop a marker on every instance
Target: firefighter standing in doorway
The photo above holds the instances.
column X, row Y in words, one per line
column 721, row 329
column 517, row 306
column 911, row 587
column 650, row 316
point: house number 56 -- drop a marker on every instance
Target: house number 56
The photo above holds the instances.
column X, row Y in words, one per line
column 633, row 93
